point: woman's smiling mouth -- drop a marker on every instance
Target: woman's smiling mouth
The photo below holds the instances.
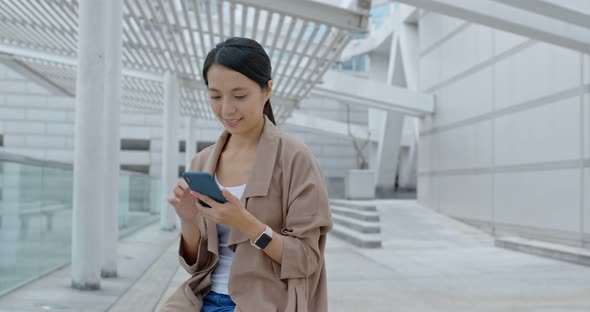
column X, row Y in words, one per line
column 232, row 122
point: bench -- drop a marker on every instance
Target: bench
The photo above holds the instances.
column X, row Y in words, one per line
column 33, row 209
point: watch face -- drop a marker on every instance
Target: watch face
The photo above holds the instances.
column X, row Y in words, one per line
column 263, row 241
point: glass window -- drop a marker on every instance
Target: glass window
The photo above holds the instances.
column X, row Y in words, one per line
column 135, row 145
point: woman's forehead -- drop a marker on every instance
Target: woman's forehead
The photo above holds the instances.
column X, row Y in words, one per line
column 222, row 78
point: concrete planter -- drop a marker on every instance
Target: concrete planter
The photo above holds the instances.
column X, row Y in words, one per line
column 360, row 184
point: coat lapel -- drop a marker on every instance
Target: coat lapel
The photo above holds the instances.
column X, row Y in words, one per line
column 210, row 166
column 258, row 182
column 261, row 174
column 264, row 162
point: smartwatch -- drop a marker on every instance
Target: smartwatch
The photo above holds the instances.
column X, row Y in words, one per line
column 264, row 239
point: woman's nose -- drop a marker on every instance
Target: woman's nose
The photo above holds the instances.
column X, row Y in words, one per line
column 227, row 108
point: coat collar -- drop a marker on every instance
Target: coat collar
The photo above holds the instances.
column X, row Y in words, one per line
column 259, row 180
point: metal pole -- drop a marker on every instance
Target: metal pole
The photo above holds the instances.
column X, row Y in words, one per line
column 87, row 217
column 190, row 148
column 112, row 144
column 169, row 148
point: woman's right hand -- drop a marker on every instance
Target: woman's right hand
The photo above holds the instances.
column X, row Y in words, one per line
column 184, row 203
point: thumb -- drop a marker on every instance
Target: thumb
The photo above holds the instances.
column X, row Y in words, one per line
column 173, row 201
column 230, row 197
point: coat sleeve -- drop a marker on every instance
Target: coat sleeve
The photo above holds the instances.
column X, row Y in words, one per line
column 203, row 255
column 308, row 218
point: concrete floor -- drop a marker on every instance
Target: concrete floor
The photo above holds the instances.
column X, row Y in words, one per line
column 428, row 263
column 433, row 263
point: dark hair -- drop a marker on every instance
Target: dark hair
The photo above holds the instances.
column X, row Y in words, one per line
column 247, row 57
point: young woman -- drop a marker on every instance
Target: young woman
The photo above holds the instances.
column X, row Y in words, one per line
column 263, row 250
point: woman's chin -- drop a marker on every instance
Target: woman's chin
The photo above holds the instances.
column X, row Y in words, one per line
column 233, row 130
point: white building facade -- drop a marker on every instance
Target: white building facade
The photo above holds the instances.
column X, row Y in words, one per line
column 38, row 122
column 509, row 146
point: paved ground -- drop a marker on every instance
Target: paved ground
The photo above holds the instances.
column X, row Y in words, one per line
column 428, row 263
column 432, row 263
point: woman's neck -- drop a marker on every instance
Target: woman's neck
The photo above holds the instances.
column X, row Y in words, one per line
column 245, row 141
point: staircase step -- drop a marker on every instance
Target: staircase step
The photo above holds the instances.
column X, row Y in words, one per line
column 577, row 255
column 355, row 238
column 357, row 225
column 358, row 205
column 356, row 214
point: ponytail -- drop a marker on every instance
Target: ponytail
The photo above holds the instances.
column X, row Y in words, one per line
column 268, row 112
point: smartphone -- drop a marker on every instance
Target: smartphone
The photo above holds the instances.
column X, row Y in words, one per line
column 204, row 183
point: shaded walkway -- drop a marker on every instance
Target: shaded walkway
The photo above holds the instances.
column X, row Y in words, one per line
column 428, row 263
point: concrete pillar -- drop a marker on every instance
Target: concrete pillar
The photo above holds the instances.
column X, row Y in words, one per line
column 388, row 126
column 375, row 124
column 408, row 50
column 87, row 216
column 190, row 148
column 408, row 171
column 169, row 148
column 388, row 152
column 112, row 142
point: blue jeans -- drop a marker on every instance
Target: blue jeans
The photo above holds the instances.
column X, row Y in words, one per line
column 214, row 302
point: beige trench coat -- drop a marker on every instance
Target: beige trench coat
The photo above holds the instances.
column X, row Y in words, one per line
column 286, row 191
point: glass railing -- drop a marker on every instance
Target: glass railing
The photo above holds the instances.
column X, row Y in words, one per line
column 36, row 215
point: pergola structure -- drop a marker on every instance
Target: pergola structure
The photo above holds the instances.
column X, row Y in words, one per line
column 146, row 55
column 303, row 38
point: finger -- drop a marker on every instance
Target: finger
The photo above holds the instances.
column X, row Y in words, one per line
column 230, row 197
column 207, row 200
column 200, row 207
column 179, row 192
column 206, row 212
column 183, row 185
column 173, row 201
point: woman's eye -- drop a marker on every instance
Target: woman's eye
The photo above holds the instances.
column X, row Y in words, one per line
column 215, row 97
column 240, row 97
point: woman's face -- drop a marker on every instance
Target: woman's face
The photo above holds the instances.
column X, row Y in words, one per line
column 236, row 100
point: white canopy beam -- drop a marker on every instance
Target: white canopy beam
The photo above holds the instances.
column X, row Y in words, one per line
column 556, row 9
column 67, row 60
column 332, row 127
column 374, row 94
column 26, row 70
column 343, row 18
column 511, row 19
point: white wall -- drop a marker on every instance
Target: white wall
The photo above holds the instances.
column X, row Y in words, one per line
column 335, row 154
column 39, row 124
column 509, row 145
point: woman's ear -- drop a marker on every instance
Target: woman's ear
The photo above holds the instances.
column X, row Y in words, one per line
column 268, row 90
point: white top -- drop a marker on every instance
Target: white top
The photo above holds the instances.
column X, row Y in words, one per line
column 220, row 276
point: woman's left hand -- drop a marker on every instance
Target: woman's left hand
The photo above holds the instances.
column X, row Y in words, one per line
column 235, row 215
column 232, row 213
